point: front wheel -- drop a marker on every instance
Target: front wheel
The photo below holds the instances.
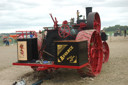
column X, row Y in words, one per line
column 105, row 52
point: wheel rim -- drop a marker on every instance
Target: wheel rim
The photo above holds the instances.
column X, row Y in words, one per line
column 95, row 53
column 105, row 52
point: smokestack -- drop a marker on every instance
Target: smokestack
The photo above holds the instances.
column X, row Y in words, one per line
column 88, row 10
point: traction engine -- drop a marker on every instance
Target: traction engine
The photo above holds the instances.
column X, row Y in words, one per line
column 70, row 45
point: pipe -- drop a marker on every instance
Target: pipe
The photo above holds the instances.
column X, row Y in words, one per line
column 88, row 10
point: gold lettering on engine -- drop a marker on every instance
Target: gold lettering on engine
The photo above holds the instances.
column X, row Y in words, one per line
column 66, row 53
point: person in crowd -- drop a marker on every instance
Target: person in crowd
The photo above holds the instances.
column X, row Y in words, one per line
column 7, row 42
column 31, row 35
column 4, row 40
column 125, row 33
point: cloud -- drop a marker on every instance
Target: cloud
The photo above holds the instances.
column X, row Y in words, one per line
column 16, row 4
column 23, row 14
column 110, row 3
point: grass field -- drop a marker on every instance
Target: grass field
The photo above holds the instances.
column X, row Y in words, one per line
column 1, row 42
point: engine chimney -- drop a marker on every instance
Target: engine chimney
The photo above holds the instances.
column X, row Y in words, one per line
column 88, row 10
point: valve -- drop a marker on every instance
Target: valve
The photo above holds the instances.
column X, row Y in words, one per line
column 64, row 30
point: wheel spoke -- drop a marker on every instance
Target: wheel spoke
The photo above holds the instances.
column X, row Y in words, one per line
column 64, row 31
column 105, row 52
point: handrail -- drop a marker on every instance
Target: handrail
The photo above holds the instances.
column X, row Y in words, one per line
column 22, row 33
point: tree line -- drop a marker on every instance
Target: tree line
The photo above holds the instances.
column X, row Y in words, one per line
column 115, row 28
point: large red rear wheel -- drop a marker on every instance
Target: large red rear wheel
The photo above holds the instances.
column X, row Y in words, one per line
column 95, row 52
column 105, row 52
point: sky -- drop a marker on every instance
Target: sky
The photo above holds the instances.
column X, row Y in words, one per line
column 34, row 14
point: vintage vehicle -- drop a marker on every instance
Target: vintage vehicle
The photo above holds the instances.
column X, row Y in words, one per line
column 74, row 45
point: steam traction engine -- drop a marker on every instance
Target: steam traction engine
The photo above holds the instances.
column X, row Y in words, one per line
column 70, row 45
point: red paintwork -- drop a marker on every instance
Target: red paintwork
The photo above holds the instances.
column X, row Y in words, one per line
column 65, row 32
column 55, row 22
column 42, row 68
column 51, row 66
column 105, row 52
column 95, row 54
column 97, row 23
column 82, row 25
column 65, row 22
